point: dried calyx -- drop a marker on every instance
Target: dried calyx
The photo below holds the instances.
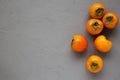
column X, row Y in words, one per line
column 109, row 19
column 72, row 41
column 94, row 65
column 99, row 12
column 95, row 26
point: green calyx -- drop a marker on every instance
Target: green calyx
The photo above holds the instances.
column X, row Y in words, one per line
column 94, row 65
column 99, row 12
column 109, row 19
column 95, row 26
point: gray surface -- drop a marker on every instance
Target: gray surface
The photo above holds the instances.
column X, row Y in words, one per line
column 35, row 37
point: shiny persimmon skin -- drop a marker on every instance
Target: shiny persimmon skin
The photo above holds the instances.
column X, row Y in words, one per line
column 94, row 59
column 113, row 23
column 94, row 29
column 94, row 9
column 102, row 44
column 79, row 43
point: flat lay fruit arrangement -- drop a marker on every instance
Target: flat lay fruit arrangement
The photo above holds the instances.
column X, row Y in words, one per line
column 100, row 19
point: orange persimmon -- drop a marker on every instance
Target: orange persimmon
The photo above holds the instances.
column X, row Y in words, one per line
column 110, row 20
column 97, row 10
column 94, row 26
column 79, row 43
column 94, row 64
column 102, row 44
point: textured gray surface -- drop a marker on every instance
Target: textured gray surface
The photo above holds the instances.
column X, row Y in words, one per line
column 35, row 37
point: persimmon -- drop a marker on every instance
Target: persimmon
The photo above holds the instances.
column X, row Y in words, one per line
column 110, row 20
column 94, row 64
column 94, row 26
column 102, row 44
column 97, row 10
column 79, row 43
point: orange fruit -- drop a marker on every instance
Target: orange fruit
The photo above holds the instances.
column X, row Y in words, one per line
column 102, row 44
column 97, row 10
column 94, row 26
column 79, row 43
column 110, row 20
column 94, row 64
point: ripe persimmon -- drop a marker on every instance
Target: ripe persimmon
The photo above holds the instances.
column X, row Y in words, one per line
column 94, row 64
column 97, row 10
column 102, row 44
column 94, row 26
column 79, row 43
column 110, row 20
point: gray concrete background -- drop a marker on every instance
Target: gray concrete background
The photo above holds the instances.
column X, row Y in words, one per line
column 35, row 37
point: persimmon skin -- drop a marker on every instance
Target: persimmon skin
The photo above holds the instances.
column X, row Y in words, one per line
column 102, row 44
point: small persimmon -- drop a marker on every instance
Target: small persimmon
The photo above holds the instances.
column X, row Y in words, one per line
column 79, row 43
column 110, row 20
column 102, row 44
column 97, row 10
column 94, row 64
column 94, row 26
